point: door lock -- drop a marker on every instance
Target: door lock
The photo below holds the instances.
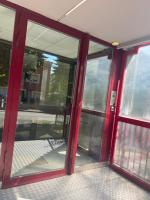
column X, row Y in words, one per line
column 112, row 101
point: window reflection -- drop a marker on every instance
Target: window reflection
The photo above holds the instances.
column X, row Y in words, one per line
column 44, row 91
column 45, row 79
column 45, row 101
column 6, row 36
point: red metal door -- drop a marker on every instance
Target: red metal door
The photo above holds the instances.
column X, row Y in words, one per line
column 131, row 132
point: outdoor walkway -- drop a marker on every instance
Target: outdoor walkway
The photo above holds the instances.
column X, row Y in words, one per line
column 96, row 184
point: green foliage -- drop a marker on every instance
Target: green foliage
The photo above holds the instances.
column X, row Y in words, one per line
column 33, row 60
column 4, row 63
column 58, row 86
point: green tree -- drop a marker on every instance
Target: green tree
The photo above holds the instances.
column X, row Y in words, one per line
column 4, row 63
column 58, row 87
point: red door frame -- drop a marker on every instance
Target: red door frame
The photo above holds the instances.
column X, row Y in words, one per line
column 12, row 95
column 77, row 104
column 118, row 118
column 109, row 118
column 108, row 122
column 18, row 46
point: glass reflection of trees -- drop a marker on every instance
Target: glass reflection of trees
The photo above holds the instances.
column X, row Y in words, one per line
column 33, row 64
column 58, row 87
column 4, row 74
column 59, row 72
column 59, row 80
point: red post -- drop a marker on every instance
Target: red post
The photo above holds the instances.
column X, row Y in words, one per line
column 77, row 104
column 117, row 104
column 108, row 122
column 13, row 94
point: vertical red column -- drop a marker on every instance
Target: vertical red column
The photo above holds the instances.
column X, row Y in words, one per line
column 77, row 104
column 108, row 123
column 121, row 65
column 13, row 94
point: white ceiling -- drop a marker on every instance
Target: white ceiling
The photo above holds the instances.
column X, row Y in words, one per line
column 6, row 29
column 119, row 20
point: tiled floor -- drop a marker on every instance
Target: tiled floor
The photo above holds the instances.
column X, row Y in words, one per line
column 95, row 184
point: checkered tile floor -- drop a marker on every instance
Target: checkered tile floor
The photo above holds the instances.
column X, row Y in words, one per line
column 95, row 184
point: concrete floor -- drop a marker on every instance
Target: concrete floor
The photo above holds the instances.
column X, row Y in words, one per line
column 95, row 184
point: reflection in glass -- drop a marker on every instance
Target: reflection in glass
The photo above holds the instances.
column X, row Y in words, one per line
column 93, row 104
column 6, row 35
column 45, row 101
column 136, row 98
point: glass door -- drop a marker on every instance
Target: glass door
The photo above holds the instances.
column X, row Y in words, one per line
column 132, row 121
column 43, row 120
column 93, row 116
column 7, row 20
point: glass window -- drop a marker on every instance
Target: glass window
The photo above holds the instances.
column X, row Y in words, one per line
column 6, row 36
column 136, row 95
column 96, row 83
column 45, row 101
column 91, row 128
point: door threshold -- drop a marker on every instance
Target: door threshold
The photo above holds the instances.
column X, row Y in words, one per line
column 90, row 166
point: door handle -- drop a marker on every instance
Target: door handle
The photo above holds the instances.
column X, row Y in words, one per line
column 112, row 101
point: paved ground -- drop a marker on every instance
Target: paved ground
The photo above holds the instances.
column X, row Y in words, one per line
column 25, row 117
column 96, row 184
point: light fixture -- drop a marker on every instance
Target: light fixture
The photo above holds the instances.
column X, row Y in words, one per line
column 75, row 7
column 115, row 43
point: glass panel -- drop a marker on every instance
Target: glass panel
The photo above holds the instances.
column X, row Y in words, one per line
column 135, row 100
column 93, row 104
column 91, row 128
column 132, row 151
column 96, row 48
column 96, row 83
column 6, row 36
column 45, row 101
